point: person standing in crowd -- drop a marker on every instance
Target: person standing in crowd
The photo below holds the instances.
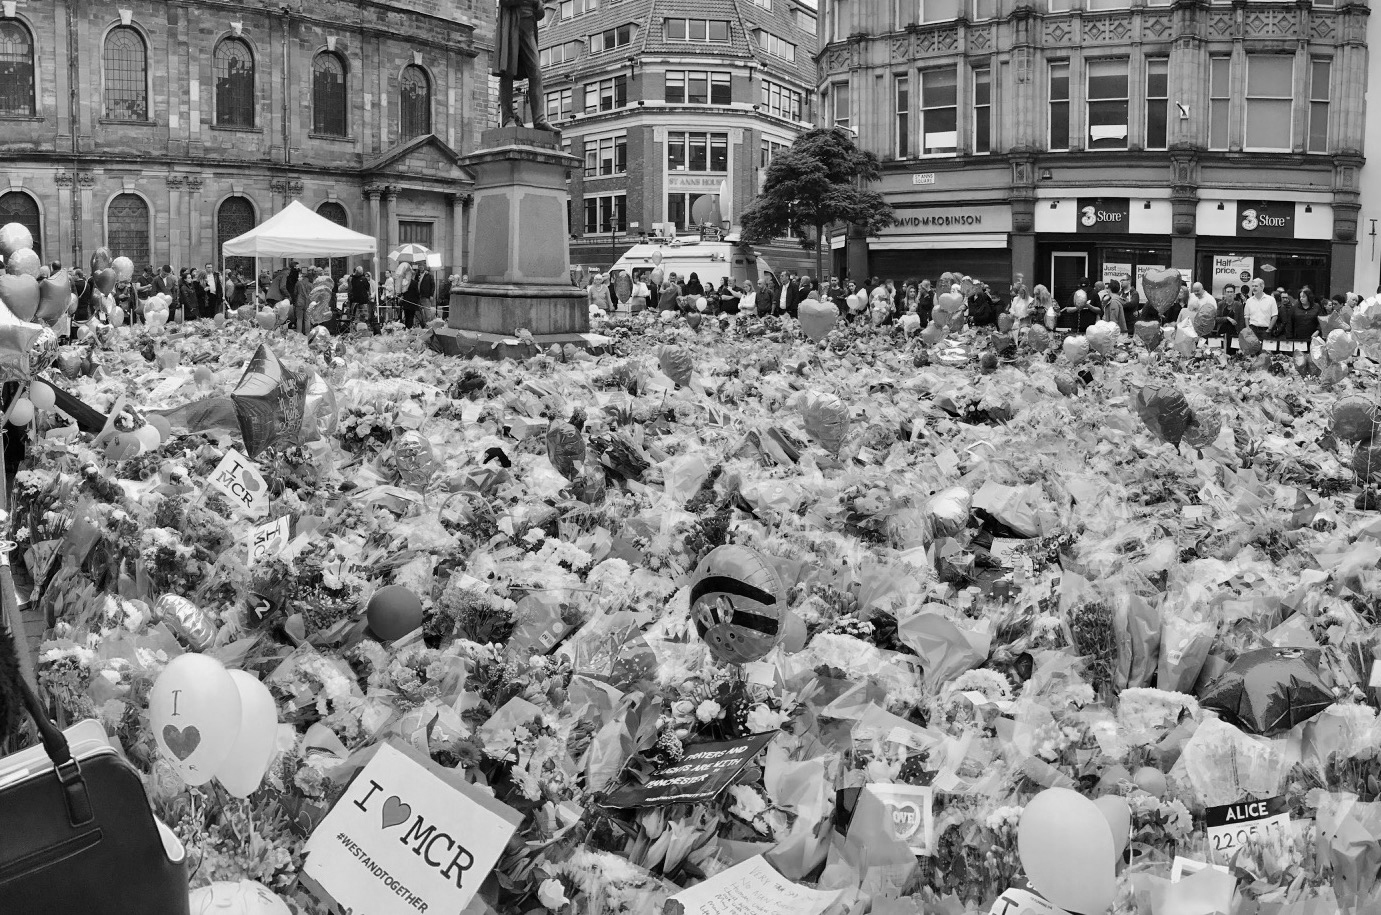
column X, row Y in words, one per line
column 1201, row 299
column 188, row 298
column 786, row 304
column 982, row 308
column 410, row 293
column 925, row 302
column 166, row 284
column 144, row 290
column 1044, row 311
column 239, row 292
column 729, row 297
column 768, row 291
column 1083, row 314
column 1114, row 308
column 1260, row 310
column 599, row 292
column 638, row 300
column 1303, row 317
column 290, row 281
column 124, row 298
column 1172, row 314
column 1020, row 307
column 669, row 294
column 358, row 298
column 301, row 299
column 426, row 294
column 1230, row 321
column 748, row 298
column 213, row 292
column 693, row 286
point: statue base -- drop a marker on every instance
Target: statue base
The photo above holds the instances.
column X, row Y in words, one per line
column 519, row 273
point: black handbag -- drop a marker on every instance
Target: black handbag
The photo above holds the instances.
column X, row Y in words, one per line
column 77, row 834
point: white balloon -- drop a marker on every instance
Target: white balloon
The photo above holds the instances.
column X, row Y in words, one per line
column 149, row 437
column 243, row 770
column 43, row 396
column 195, row 711
column 22, row 413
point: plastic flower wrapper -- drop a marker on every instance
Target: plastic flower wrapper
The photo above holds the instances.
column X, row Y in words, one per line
column 1223, row 765
column 1349, row 838
column 883, row 742
column 1344, row 731
column 1145, row 715
column 946, row 646
column 612, row 885
column 870, row 858
column 1185, row 641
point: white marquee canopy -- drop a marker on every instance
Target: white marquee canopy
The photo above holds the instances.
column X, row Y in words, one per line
column 296, row 231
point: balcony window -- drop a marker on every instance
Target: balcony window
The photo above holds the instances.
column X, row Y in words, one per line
column 1157, row 102
column 1270, row 96
column 1320, row 75
column 1059, row 106
column 903, row 98
column 939, row 112
column 982, row 111
column 1107, row 104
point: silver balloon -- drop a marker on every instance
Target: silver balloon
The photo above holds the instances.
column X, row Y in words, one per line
column 320, row 413
column 23, row 262
column 318, row 339
column 14, row 237
column 416, row 459
column 44, row 350
column 189, row 622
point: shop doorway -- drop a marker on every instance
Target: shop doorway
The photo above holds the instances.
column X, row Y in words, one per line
column 1067, row 271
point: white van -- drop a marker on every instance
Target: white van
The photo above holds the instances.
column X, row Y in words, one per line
column 709, row 260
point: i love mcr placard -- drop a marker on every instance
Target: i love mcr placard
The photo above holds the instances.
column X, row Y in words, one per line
column 404, row 840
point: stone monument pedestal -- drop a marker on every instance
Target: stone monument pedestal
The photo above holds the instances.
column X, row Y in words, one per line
column 520, row 266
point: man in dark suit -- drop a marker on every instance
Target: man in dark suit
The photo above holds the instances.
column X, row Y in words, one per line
column 213, row 288
column 165, row 283
column 790, row 295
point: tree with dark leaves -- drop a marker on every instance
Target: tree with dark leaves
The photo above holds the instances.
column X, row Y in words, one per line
column 818, row 181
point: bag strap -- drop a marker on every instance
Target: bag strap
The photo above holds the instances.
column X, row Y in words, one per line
column 69, row 773
column 68, row 770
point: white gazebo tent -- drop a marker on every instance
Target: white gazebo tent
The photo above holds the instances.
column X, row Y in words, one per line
column 296, row 231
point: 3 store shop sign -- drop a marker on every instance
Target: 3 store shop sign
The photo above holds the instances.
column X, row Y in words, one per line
column 1261, row 219
column 1104, row 215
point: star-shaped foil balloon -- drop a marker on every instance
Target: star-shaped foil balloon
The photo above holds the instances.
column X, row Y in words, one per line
column 269, row 401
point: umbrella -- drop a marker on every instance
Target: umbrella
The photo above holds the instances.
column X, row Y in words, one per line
column 409, row 254
column 1269, row 690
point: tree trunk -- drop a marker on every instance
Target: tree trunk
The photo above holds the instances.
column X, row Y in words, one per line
column 819, row 259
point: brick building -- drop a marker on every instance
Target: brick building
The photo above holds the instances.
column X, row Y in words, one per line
column 675, row 107
column 161, row 129
column 1063, row 139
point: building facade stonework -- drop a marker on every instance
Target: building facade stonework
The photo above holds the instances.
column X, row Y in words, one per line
column 675, row 108
column 161, row 129
column 1102, row 138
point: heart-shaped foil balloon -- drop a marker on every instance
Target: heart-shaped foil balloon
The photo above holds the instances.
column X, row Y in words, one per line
column 817, row 318
column 1162, row 288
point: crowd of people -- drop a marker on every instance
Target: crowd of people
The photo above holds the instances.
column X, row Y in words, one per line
column 1278, row 315
column 408, row 294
